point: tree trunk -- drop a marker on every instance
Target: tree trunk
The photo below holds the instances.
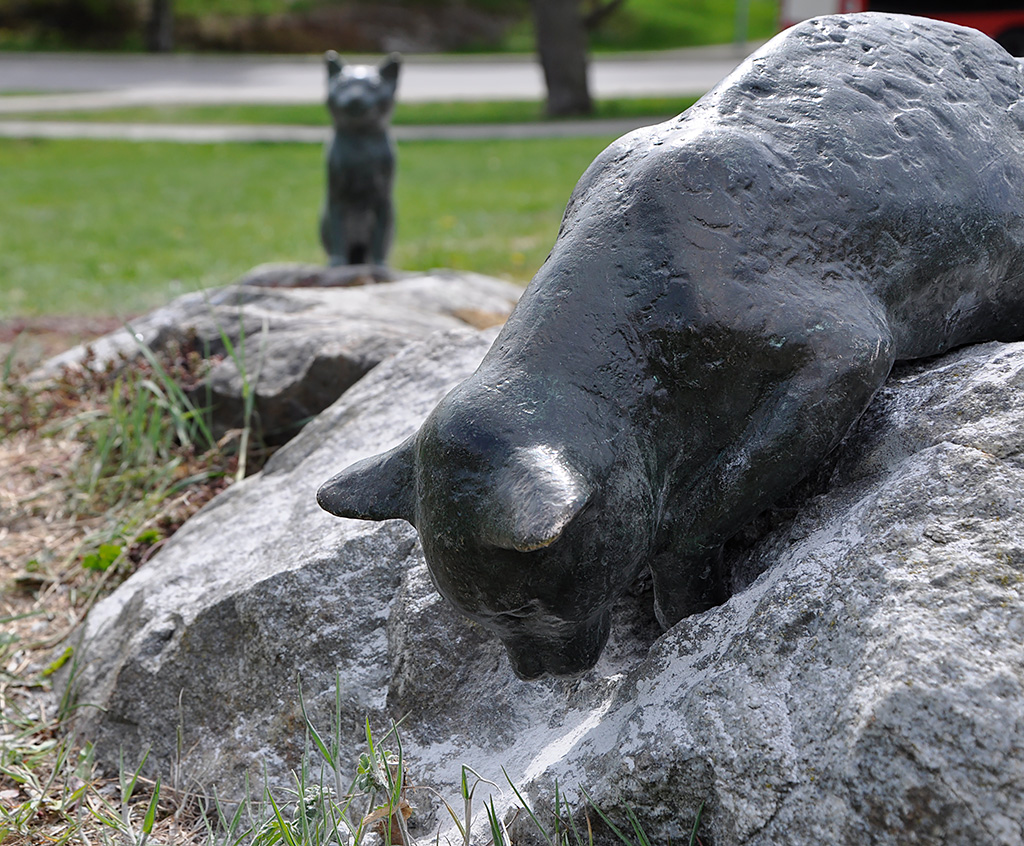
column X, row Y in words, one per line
column 160, row 26
column 562, row 47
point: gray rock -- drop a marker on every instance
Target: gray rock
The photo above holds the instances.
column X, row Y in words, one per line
column 299, row 275
column 284, row 591
column 865, row 683
column 300, row 347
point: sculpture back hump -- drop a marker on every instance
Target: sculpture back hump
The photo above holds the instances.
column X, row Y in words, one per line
column 876, row 151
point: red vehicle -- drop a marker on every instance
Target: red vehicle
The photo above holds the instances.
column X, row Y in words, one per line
column 1002, row 20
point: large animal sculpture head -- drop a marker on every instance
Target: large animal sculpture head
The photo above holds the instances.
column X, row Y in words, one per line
column 534, row 541
column 361, row 97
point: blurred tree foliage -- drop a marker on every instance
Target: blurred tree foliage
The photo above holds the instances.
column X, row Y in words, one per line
column 379, row 25
column 86, row 23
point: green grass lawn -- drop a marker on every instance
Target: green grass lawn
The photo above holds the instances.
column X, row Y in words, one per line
column 91, row 227
column 406, row 114
column 664, row 24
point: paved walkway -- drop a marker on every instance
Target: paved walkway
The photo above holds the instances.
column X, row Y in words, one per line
column 45, row 83
column 48, row 81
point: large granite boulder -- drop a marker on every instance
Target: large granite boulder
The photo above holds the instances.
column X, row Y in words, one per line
column 865, row 682
column 297, row 336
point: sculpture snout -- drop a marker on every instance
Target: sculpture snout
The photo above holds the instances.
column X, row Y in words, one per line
column 562, row 655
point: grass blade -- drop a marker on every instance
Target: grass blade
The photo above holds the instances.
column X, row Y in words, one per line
column 317, row 739
column 150, row 819
column 497, row 830
column 607, row 822
column 526, row 808
column 696, row 825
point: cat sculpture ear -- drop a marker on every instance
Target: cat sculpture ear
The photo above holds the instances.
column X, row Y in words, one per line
column 381, row 487
column 388, row 69
column 334, row 64
column 535, row 496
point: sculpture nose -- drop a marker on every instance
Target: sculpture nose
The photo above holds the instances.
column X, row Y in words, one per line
column 526, row 665
column 565, row 655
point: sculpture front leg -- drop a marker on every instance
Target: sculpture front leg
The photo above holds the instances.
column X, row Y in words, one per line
column 332, row 235
column 383, row 232
column 783, row 440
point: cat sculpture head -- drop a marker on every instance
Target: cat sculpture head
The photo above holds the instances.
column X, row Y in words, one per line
column 361, row 97
column 524, row 537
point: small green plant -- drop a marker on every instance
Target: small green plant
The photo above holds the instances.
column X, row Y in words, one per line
column 380, row 782
column 312, row 821
column 103, row 557
column 147, row 444
column 467, row 792
column 249, row 382
column 565, row 831
column 124, row 822
column 146, row 448
column 376, row 801
column 140, row 442
column 49, row 775
column 499, row 834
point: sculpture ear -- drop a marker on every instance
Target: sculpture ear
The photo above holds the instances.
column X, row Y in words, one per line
column 389, row 68
column 334, row 64
column 536, row 495
column 378, row 488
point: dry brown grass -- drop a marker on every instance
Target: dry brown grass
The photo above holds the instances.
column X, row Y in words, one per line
column 49, row 792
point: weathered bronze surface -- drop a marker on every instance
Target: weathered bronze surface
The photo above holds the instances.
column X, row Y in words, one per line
column 727, row 292
column 358, row 218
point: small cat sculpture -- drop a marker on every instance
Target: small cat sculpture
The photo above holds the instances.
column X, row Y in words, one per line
column 357, row 223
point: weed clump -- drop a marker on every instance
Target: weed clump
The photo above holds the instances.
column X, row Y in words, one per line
column 128, row 452
column 100, row 465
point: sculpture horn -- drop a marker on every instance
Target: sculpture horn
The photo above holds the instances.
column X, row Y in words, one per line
column 536, row 496
column 381, row 487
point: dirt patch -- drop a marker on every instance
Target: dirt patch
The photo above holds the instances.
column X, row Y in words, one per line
column 37, row 542
column 36, row 537
column 26, row 342
column 53, row 509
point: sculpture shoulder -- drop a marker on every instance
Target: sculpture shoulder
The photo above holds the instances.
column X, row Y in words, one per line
column 663, row 175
